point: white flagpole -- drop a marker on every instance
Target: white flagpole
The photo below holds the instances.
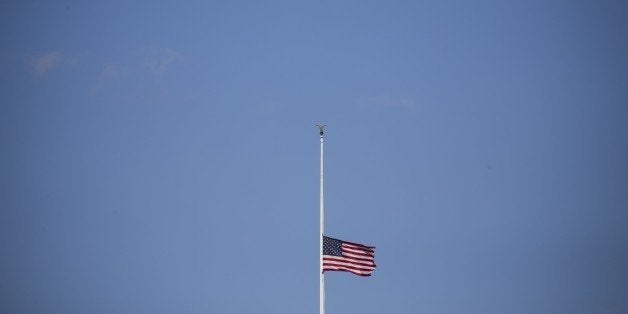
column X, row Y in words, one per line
column 322, row 225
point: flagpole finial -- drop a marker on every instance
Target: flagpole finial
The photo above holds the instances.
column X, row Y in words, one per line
column 321, row 128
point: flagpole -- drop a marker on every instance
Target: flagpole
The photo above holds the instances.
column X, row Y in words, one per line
column 322, row 227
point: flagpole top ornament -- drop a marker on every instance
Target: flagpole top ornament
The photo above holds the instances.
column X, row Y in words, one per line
column 321, row 128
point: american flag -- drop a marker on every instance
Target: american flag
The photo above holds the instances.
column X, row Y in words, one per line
column 341, row 255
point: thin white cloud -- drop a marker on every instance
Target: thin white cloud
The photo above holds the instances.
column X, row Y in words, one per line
column 46, row 63
column 43, row 64
column 157, row 61
column 110, row 71
column 406, row 103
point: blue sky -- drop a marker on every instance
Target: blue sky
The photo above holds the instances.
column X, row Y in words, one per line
column 161, row 157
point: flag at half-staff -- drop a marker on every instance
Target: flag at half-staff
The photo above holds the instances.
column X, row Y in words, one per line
column 339, row 255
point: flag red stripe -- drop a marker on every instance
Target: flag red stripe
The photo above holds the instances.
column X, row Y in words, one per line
column 355, row 269
column 360, row 247
column 342, row 258
column 350, row 266
column 361, row 258
column 327, row 259
column 354, row 272
column 359, row 252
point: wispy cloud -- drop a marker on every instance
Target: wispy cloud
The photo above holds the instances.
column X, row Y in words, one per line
column 157, row 61
column 109, row 73
column 43, row 64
